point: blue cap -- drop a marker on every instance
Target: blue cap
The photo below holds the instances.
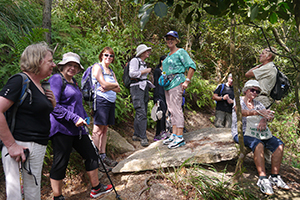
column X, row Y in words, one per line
column 172, row 33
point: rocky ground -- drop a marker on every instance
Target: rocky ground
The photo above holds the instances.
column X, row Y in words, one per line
column 152, row 184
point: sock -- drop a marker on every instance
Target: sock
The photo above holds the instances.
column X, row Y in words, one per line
column 262, row 177
column 274, row 175
column 102, row 155
column 97, row 187
column 56, row 198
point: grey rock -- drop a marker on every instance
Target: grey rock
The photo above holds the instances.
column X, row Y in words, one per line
column 118, row 143
column 209, row 145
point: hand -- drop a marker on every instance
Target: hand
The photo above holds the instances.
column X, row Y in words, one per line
column 225, row 97
column 49, row 94
column 184, row 85
column 81, row 122
column 102, row 89
column 262, row 125
column 268, row 114
column 16, row 152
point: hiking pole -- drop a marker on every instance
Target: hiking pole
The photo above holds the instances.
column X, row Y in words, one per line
column 97, row 152
column 21, row 165
column 21, row 179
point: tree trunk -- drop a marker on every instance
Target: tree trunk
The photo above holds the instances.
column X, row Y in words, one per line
column 238, row 168
column 47, row 20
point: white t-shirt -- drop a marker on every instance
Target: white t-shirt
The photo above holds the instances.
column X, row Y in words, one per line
column 266, row 76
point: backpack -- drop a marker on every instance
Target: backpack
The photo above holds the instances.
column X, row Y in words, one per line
column 11, row 114
column 281, row 86
column 127, row 80
column 87, row 86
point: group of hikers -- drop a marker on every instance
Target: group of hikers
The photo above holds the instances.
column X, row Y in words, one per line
column 55, row 111
column 256, row 114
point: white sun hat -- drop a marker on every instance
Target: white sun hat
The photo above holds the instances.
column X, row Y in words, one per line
column 249, row 84
column 71, row 57
column 141, row 49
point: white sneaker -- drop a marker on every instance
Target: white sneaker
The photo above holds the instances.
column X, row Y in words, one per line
column 278, row 182
column 265, row 186
column 169, row 139
column 177, row 142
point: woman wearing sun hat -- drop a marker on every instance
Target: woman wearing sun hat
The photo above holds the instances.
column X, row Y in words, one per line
column 139, row 90
column 176, row 63
column 67, row 128
column 257, row 136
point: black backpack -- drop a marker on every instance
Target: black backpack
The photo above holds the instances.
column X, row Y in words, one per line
column 281, row 86
column 127, row 80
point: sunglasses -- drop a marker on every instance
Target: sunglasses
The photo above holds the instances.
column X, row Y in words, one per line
column 109, row 55
column 254, row 90
column 170, row 39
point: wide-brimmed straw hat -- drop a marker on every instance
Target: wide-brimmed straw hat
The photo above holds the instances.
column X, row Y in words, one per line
column 249, row 84
column 71, row 57
column 141, row 49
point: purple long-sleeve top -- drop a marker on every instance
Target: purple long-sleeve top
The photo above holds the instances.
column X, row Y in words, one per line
column 68, row 108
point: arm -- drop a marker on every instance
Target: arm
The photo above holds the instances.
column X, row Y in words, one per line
column 97, row 72
column 188, row 78
column 14, row 150
column 134, row 69
column 216, row 97
column 60, row 112
column 117, row 89
column 250, row 73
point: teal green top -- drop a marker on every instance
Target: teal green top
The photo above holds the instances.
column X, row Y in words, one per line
column 177, row 63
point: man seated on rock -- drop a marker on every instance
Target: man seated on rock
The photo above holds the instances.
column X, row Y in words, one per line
column 257, row 136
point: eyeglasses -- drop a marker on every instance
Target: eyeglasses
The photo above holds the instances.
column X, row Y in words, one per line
column 254, row 90
column 110, row 55
column 170, row 39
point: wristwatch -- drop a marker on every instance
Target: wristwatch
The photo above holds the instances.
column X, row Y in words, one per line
column 188, row 80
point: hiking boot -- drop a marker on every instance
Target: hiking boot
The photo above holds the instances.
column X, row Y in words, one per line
column 101, row 169
column 144, row 142
column 136, row 138
column 102, row 190
column 177, row 142
column 169, row 139
column 61, row 197
column 109, row 162
column 163, row 135
column 265, row 186
column 278, row 182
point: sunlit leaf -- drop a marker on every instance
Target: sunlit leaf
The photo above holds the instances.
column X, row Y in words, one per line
column 145, row 17
column 253, row 12
column 273, row 18
column 161, row 9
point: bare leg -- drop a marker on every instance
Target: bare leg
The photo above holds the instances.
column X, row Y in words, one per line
column 100, row 137
column 93, row 176
column 259, row 159
column 276, row 159
column 56, row 187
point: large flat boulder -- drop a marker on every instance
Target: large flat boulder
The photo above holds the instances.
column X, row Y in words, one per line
column 210, row 145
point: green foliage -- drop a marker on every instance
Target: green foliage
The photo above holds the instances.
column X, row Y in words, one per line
column 286, row 127
column 196, row 182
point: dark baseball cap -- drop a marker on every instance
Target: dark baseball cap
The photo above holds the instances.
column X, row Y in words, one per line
column 172, row 33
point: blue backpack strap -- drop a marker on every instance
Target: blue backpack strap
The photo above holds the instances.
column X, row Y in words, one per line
column 222, row 89
column 24, row 92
